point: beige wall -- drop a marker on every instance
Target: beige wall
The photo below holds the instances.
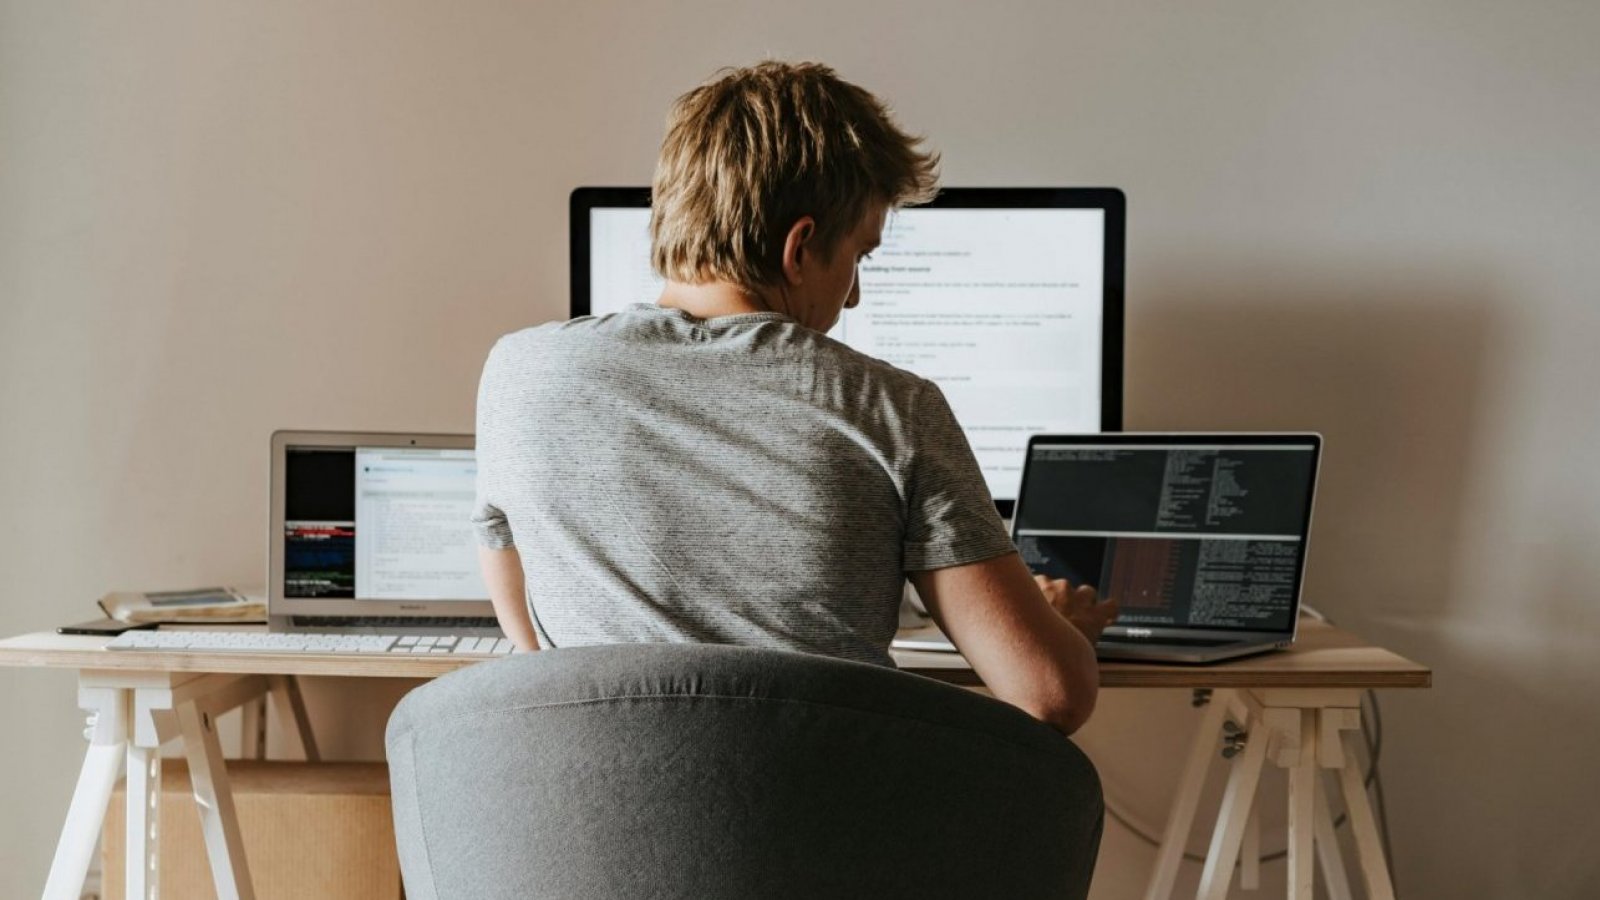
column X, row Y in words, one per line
column 1377, row 220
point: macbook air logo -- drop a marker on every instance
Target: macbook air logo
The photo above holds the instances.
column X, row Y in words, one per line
column 412, row 606
column 1140, row 632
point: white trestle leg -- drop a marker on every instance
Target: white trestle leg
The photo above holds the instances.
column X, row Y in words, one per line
column 107, row 733
column 219, row 823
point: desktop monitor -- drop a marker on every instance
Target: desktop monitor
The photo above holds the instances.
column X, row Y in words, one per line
column 1010, row 299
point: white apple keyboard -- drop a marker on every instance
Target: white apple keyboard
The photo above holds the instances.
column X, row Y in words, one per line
column 298, row 642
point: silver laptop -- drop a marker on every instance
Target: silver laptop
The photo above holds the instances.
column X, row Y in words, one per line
column 371, row 534
column 1200, row 537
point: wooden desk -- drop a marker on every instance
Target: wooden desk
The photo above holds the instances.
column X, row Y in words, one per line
column 1299, row 707
column 1302, row 709
column 1322, row 657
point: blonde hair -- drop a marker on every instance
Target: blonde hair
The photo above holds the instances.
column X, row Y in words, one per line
column 752, row 151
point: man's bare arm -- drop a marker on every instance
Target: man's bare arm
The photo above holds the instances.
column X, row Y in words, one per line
column 502, row 572
column 1022, row 645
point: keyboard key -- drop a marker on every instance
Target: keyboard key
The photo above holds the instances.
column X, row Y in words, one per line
column 325, row 644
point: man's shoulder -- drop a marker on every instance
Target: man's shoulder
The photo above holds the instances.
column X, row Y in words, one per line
column 548, row 335
column 842, row 357
column 638, row 328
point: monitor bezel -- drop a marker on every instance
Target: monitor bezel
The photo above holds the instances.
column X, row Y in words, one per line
column 278, row 605
column 1194, row 439
column 1113, row 311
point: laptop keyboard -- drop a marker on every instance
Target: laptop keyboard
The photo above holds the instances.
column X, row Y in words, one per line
column 337, row 644
column 443, row 623
column 1161, row 641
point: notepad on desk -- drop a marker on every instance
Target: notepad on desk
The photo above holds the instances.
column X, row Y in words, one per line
column 194, row 606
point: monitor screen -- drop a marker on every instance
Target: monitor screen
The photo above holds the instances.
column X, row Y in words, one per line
column 380, row 523
column 1009, row 299
column 1195, row 535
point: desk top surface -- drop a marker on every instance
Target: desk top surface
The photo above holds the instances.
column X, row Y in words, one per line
column 1323, row 657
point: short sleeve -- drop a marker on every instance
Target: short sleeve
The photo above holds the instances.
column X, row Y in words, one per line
column 950, row 517
column 489, row 520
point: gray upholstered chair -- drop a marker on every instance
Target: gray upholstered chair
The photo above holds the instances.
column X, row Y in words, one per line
column 709, row 772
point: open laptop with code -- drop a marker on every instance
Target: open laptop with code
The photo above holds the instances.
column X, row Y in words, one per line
column 1200, row 537
column 371, row 533
column 369, row 551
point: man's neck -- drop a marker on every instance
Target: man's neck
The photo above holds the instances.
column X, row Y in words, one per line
column 710, row 300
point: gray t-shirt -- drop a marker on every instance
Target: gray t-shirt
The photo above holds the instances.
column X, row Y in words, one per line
column 736, row 480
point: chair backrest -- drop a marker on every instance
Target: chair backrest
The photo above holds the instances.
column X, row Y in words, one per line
column 709, row 772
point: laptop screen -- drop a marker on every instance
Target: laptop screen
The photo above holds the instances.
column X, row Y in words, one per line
column 380, row 523
column 1206, row 535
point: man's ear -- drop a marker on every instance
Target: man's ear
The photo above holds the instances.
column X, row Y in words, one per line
column 796, row 246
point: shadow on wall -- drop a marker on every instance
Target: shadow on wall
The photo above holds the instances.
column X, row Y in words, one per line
column 1498, row 799
column 1392, row 370
column 1390, row 373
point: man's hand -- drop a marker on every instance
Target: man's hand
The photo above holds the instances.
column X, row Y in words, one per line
column 1024, row 651
column 1079, row 605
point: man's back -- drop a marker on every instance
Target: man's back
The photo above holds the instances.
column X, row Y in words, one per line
column 741, row 480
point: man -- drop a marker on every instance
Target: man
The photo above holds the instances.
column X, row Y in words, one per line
column 714, row 468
